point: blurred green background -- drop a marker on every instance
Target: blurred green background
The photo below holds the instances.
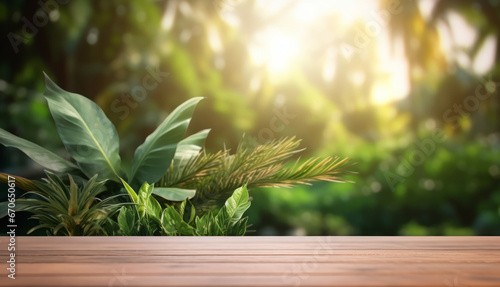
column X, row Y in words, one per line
column 408, row 89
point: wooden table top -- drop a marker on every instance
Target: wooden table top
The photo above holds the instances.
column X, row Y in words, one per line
column 253, row 261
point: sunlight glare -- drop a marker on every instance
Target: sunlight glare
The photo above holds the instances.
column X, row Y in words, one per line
column 485, row 58
column 282, row 49
column 275, row 49
column 329, row 69
column 426, row 7
column 464, row 35
column 278, row 47
column 347, row 11
column 394, row 83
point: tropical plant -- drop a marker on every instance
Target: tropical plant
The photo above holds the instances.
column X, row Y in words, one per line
column 128, row 223
column 165, row 165
column 165, row 157
column 143, row 218
column 148, row 219
column 229, row 219
column 213, row 176
column 92, row 141
column 67, row 209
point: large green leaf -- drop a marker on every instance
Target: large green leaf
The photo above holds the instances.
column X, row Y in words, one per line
column 89, row 136
column 228, row 220
column 190, row 147
column 126, row 221
column 153, row 208
column 130, row 191
column 154, row 156
column 174, row 193
column 149, row 205
column 237, row 204
column 144, row 194
column 37, row 153
column 173, row 223
column 239, row 228
column 205, row 225
column 182, row 210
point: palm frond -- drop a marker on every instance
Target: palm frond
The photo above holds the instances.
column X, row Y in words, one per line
column 215, row 176
column 313, row 170
column 187, row 169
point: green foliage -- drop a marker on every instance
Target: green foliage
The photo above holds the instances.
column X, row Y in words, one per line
column 184, row 169
column 21, row 182
column 130, row 224
column 127, row 221
column 39, row 154
column 92, row 140
column 147, row 205
column 174, row 193
column 213, row 176
column 152, row 158
column 332, row 113
column 190, row 147
column 173, row 224
column 88, row 135
column 455, row 191
column 67, row 209
column 236, row 205
column 146, row 216
column 228, row 221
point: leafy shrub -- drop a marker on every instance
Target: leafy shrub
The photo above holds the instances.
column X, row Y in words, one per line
column 68, row 209
column 455, row 191
column 166, row 165
column 149, row 219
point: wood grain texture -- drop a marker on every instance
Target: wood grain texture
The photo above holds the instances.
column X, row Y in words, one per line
column 254, row 261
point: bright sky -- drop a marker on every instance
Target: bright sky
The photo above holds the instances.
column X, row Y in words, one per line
column 279, row 46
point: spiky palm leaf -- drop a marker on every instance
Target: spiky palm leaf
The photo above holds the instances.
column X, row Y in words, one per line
column 21, row 182
column 68, row 210
column 215, row 176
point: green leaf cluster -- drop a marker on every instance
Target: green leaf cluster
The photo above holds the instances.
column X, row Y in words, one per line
column 92, row 141
column 68, row 209
column 147, row 217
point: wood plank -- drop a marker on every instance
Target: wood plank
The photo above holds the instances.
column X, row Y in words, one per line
column 262, row 243
column 224, row 268
column 247, row 252
column 261, row 280
column 430, row 258
column 255, row 261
